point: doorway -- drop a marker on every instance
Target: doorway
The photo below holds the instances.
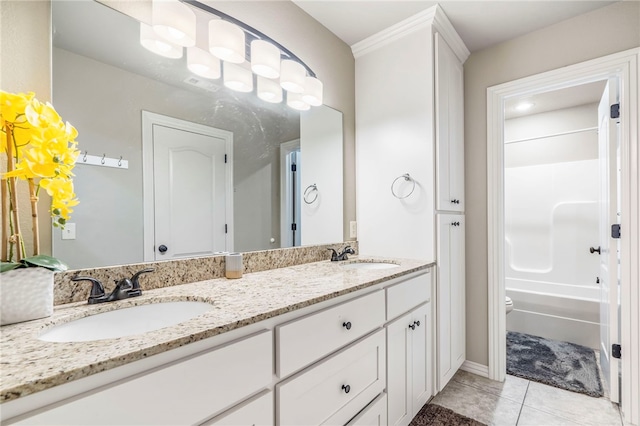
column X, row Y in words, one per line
column 560, row 195
column 623, row 67
column 187, row 189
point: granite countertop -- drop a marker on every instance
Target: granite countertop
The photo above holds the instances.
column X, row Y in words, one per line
column 29, row 365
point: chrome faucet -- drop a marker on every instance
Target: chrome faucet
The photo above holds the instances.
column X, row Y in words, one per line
column 335, row 257
column 125, row 288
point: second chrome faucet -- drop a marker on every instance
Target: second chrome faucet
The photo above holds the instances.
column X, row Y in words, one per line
column 125, row 288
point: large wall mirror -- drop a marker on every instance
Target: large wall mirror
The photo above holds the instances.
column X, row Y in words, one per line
column 284, row 167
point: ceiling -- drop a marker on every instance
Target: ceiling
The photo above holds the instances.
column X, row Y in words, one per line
column 480, row 23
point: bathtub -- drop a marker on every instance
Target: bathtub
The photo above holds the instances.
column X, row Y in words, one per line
column 557, row 313
column 551, row 220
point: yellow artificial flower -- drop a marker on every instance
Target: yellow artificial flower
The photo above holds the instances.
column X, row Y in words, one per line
column 44, row 148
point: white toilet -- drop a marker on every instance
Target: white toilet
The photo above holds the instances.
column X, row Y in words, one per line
column 509, row 304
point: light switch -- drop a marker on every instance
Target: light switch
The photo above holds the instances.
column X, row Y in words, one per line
column 69, row 231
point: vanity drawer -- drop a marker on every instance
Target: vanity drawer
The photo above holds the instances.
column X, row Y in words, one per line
column 336, row 389
column 375, row 414
column 307, row 339
column 404, row 296
column 257, row 411
column 183, row 392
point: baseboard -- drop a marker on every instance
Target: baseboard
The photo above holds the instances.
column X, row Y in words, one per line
column 475, row 368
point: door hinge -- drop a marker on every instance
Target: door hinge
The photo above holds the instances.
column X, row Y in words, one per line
column 225, row 159
column 226, row 228
column 294, row 227
column 293, row 168
column 615, row 111
column 615, row 230
column 616, row 351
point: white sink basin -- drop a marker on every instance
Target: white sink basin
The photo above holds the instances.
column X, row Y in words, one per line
column 125, row 322
column 369, row 265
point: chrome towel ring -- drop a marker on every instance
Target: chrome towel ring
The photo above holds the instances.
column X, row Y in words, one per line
column 307, row 194
column 407, row 178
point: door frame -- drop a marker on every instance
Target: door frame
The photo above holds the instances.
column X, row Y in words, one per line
column 149, row 119
column 623, row 65
column 286, row 148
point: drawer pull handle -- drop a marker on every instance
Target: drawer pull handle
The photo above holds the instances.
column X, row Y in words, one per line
column 412, row 326
column 417, row 323
column 346, row 388
column 347, row 325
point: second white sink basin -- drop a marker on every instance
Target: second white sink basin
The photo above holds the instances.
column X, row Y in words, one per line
column 369, row 265
column 125, row 322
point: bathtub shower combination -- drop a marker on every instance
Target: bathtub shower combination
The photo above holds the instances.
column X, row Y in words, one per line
column 551, row 221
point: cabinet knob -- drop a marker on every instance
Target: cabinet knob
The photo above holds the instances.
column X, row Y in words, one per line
column 417, row 323
column 455, row 224
column 346, row 388
column 412, row 326
column 347, row 325
column 455, row 201
column 162, row 248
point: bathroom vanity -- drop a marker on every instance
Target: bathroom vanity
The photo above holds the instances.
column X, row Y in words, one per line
column 318, row 343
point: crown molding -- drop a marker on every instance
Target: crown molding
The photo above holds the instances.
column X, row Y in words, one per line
column 433, row 16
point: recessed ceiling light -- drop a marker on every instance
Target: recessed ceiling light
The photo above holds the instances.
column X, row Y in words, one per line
column 524, row 106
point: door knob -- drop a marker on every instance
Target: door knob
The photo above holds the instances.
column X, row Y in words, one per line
column 162, row 248
column 593, row 250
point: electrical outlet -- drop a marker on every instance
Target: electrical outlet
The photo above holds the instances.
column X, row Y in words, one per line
column 69, row 231
column 353, row 229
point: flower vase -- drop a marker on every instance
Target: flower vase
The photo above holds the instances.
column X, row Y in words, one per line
column 25, row 294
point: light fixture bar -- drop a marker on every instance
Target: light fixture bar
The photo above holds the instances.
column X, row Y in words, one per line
column 249, row 29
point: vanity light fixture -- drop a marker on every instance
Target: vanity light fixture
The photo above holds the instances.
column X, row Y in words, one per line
column 292, row 76
column 203, row 63
column 312, row 91
column 174, row 25
column 151, row 41
column 268, row 90
column 174, row 21
column 237, row 78
column 294, row 100
column 265, row 59
column 226, row 41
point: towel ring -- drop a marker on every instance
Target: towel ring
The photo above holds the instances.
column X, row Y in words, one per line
column 307, row 192
column 407, row 178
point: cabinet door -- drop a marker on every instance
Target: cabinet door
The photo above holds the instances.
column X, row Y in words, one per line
column 449, row 128
column 450, row 297
column 422, row 375
column 399, row 371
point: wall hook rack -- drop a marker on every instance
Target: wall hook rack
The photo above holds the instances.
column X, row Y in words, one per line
column 102, row 161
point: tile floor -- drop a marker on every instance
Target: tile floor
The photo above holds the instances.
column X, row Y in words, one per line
column 522, row 402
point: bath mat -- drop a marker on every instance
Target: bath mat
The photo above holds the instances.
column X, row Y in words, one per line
column 552, row 362
column 436, row 415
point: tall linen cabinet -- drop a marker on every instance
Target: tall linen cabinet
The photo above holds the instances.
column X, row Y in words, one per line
column 410, row 166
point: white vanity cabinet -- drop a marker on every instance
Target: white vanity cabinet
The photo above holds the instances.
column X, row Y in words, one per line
column 326, row 363
column 450, row 296
column 409, row 351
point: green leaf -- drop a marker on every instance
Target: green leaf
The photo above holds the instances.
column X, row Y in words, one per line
column 8, row 266
column 46, row 262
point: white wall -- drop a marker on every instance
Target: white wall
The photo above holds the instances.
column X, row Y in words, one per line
column 575, row 40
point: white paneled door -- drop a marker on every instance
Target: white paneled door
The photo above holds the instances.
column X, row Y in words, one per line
column 609, row 247
column 190, row 188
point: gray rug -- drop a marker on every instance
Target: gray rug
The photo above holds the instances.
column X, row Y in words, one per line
column 561, row 364
column 436, row 415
